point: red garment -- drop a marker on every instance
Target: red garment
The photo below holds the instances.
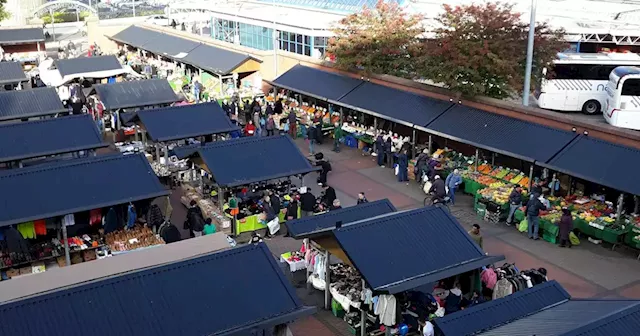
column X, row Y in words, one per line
column 95, row 216
column 249, row 130
column 40, row 227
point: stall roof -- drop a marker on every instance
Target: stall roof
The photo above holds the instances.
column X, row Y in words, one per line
column 615, row 163
column 217, row 60
column 501, row 134
column 48, row 137
column 326, row 222
column 21, row 36
column 136, row 36
column 384, row 249
column 80, row 65
column 71, row 186
column 12, row 73
column 248, row 160
column 38, row 102
column 395, row 105
column 174, row 299
column 316, row 83
column 136, row 94
column 186, row 121
column 170, row 46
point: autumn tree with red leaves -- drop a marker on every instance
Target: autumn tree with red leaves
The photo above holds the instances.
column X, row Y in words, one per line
column 480, row 49
column 377, row 40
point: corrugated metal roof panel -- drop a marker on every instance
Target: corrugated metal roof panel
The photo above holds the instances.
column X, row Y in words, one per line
column 29, row 103
column 78, row 65
column 12, row 73
column 78, row 185
column 48, row 137
column 498, row 312
column 136, row 94
column 136, row 36
column 568, row 318
column 621, row 322
column 193, row 297
column 501, row 134
column 182, row 122
column 21, row 35
column 398, row 240
column 326, row 222
column 216, row 60
column 395, row 105
column 615, row 163
column 233, row 162
column 169, row 45
column 316, row 83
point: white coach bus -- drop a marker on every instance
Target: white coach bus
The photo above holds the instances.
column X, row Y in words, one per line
column 622, row 108
column 577, row 82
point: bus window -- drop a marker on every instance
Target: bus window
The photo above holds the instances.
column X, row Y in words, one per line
column 582, row 71
column 631, row 87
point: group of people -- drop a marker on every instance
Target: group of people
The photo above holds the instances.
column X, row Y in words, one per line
column 260, row 122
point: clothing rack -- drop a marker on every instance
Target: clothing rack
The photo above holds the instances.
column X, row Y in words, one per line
column 313, row 246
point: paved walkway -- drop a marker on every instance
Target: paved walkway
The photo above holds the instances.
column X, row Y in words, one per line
column 585, row 271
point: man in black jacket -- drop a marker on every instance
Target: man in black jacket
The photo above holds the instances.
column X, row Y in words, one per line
column 533, row 212
column 195, row 220
column 438, row 189
column 515, row 201
column 307, row 202
column 329, row 195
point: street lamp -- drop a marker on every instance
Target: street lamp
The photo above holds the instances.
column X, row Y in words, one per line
column 527, row 74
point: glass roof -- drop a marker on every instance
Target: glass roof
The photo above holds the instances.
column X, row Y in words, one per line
column 335, row 5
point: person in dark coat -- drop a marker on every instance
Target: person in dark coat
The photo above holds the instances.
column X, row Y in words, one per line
column 533, row 213
column 311, row 137
column 515, row 202
column 565, row 226
column 269, row 110
column 387, row 152
column 438, row 189
column 275, row 202
column 292, row 208
column 293, row 129
column 307, row 202
column 278, row 108
column 403, row 166
column 380, row 150
column 329, row 194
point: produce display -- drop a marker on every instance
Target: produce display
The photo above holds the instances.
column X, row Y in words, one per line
column 499, row 193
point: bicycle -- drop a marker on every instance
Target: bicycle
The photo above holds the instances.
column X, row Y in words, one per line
column 444, row 205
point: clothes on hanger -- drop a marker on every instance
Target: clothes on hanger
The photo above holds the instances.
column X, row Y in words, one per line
column 131, row 216
column 27, row 230
column 386, row 309
column 111, row 221
column 40, row 227
column 95, row 216
column 68, row 220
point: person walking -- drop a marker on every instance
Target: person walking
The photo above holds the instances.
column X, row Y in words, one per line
column 337, row 135
column 452, row 182
column 293, row 122
column 533, row 212
column 362, row 198
column 388, row 145
column 194, row 221
column 256, row 123
column 311, row 137
column 380, row 150
column 307, row 202
column 403, row 166
column 270, row 126
column 329, row 194
column 565, row 226
column 476, row 235
column 515, row 202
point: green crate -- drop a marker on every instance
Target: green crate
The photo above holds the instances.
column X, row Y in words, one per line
column 551, row 229
column 584, row 227
column 612, row 236
column 481, row 213
column 597, row 233
column 551, row 238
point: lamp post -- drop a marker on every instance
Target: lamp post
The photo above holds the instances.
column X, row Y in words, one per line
column 527, row 75
column 275, row 41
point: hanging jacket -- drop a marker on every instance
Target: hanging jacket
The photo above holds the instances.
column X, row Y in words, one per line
column 453, row 180
column 111, row 221
column 15, row 242
column 154, row 216
column 131, row 216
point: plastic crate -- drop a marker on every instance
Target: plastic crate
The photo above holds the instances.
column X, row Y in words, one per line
column 551, row 238
column 337, row 309
column 612, row 236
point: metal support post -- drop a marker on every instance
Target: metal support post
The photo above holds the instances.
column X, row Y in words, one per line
column 363, row 313
column 477, row 159
column 531, row 176
column 53, row 27
column 527, row 75
column 67, row 257
column 493, row 159
column 193, row 173
column 636, row 204
column 157, row 145
column 327, row 280
column 166, row 155
column 375, row 124
column 413, row 139
column 620, row 205
column 430, row 144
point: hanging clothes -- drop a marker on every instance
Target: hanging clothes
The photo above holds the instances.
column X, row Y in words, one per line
column 27, row 230
column 15, row 242
column 131, row 216
column 386, row 309
column 95, row 216
column 40, row 227
column 503, row 288
column 111, row 221
column 68, row 220
column 489, row 278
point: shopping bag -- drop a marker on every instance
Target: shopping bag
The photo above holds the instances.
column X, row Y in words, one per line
column 524, row 225
column 274, row 226
column 427, row 187
column 574, row 239
column 397, row 169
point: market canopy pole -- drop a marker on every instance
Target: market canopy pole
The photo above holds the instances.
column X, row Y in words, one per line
column 620, row 206
column 477, row 158
column 527, row 74
column 413, row 139
column 363, row 314
column 67, row 258
column 430, row 144
column 531, row 176
column 493, row 159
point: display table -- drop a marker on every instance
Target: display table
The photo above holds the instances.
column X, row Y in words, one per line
column 471, row 187
column 343, row 300
column 294, row 266
column 252, row 223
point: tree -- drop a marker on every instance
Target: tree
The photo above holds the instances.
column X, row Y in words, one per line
column 481, row 50
column 4, row 14
column 376, row 40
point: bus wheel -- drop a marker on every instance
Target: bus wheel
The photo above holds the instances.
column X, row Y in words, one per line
column 591, row 107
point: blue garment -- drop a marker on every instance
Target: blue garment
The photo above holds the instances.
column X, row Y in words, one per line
column 131, row 216
column 453, row 181
column 312, row 142
column 452, row 195
column 534, row 224
column 403, row 165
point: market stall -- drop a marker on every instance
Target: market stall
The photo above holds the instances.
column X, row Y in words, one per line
column 230, row 172
column 26, row 104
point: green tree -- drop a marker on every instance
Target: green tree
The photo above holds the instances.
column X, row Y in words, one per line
column 376, row 40
column 480, row 49
column 4, row 14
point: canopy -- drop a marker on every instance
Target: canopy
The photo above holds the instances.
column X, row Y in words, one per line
column 48, row 137
column 326, row 222
column 248, row 160
column 316, row 83
column 192, row 297
column 384, row 249
column 59, row 72
column 70, row 186
column 12, row 73
column 18, row 104
column 14, row 36
column 186, row 121
column 139, row 93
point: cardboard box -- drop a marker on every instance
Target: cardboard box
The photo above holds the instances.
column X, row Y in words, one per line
column 61, row 262
column 89, row 255
column 25, row 270
column 12, row 272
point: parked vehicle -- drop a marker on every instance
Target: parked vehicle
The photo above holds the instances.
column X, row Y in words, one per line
column 159, row 20
column 622, row 108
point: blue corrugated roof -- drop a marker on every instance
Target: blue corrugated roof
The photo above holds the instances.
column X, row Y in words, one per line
column 79, row 65
column 397, row 241
column 136, row 36
column 182, row 122
column 248, row 160
column 502, row 311
column 509, row 136
column 215, row 294
column 11, row 73
column 316, row 83
column 29, row 103
column 136, row 94
column 578, row 317
column 615, row 163
column 48, row 137
column 216, row 60
column 326, row 222
column 21, row 35
column 70, row 186
column 395, row 105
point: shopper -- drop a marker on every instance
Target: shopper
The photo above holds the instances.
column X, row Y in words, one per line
column 336, row 205
column 269, row 110
column 275, row 202
column 292, row 208
column 307, row 202
column 278, row 108
column 387, row 152
column 476, row 235
column 293, row 130
column 195, row 221
column 421, row 164
column 311, row 137
column 362, row 198
column 270, row 125
column 533, row 212
column 452, row 182
column 438, row 190
column 337, row 135
column 565, row 226
column 250, row 129
column 515, row 202
column 403, row 166
column 380, row 150
column 269, row 213
column 325, row 168
column 329, row 195
column 209, row 227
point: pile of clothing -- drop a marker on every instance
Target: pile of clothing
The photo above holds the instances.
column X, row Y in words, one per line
column 505, row 280
column 346, row 281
